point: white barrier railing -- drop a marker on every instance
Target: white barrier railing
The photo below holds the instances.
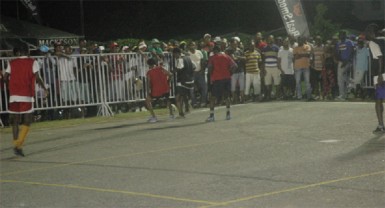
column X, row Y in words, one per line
column 89, row 80
column 97, row 80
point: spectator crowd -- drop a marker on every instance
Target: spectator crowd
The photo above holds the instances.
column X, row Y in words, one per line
column 261, row 69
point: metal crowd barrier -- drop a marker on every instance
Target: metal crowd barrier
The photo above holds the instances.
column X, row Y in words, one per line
column 98, row 80
column 89, row 80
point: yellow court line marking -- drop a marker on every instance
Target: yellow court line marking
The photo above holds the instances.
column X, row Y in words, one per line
column 118, row 156
column 294, row 189
column 111, row 191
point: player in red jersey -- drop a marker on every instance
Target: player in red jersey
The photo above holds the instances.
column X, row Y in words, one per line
column 158, row 86
column 20, row 76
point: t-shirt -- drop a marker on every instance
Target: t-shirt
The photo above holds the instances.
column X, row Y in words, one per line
column 66, row 68
column 270, row 53
column 318, row 57
column 286, row 56
column 196, row 58
column 361, row 62
column 252, row 60
column 158, row 81
column 345, row 50
column 303, row 62
column 375, row 50
column 221, row 64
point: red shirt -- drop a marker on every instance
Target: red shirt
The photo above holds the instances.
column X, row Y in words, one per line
column 221, row 64
column 22, row 77
column 261, row 45
column 158, row 81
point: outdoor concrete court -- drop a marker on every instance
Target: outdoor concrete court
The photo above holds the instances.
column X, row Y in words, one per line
column 280, row 154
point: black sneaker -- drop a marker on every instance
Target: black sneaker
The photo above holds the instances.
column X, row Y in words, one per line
column 379, row 130
column 18, row 152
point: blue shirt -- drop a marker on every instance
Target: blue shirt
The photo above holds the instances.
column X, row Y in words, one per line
column 345, row 50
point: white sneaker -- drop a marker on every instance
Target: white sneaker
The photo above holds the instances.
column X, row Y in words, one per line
column 152, row 120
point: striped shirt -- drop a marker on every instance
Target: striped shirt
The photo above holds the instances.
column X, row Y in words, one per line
column 270, row 53
column 318, row 57
column 252, row 60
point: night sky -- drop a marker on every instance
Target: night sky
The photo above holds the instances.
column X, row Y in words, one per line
column 109, row 20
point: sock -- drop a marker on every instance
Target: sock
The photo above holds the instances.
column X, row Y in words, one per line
column 24, row 129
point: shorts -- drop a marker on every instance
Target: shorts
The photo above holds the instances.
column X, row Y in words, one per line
column 221, row 87
column 238, row 79
column 380, row 92
column 273, row 74
column 20, row 107
column 182, row 91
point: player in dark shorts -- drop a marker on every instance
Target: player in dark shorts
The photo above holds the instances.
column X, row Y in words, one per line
column 377, row 64
column 220, row 67
column 184, row 69
column 158, row 87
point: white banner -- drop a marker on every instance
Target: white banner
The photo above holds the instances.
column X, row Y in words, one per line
column 293, row 17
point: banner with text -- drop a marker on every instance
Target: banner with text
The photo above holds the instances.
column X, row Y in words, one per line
column 31, row 5
column 293, row 17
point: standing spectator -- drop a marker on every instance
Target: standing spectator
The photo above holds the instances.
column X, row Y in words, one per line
column 49, row 74
column 66, row 69
column 361, row 66
column 328, row 72
column 345, row 51
column 285, row 64
column 117, row 90
column 253, row 77
column 200, row 84
column 271, row 71
column 207, row 44
column 220, row 67
column 238, row 75
column 377, row 66
column 260, row 44
column 155, row 50
column 279, row 41
column 318, row 65
column 82, row 44
column 158, row 87
column 21, row 75
column 85, row 77
column 302, row 66
column 184, row 69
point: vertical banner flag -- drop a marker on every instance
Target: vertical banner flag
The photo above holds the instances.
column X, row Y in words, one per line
column 32, row 7
column 293, row 17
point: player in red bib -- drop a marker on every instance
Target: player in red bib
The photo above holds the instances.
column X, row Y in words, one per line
column 220, row 67
column 21, row 75
column 158, row 86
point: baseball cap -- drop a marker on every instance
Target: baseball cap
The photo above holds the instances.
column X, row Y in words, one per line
column 154, row 41
column 142, row 45
column 125, row 48
column 217, row 39
column 207, row 35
